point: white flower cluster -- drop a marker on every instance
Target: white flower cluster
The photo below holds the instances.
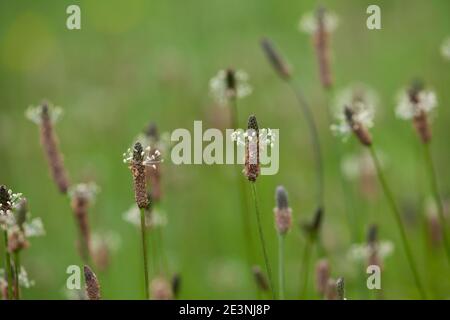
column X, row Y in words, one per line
column 155, row 218
column 86, row 191
column 362, row 101
column 110, row 239
column 12, row 203
column 219, row 90
column 24, row 280
column 34, row 113
column 309, row 22
column 150, row 158
column 408, row 109
column 357, row 164
column 445, row 48
column 266, row 137
column 361, row 252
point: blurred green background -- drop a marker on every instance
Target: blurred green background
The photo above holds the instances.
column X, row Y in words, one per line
column 137, row 61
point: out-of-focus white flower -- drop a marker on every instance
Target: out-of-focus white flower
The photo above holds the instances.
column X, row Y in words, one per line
column 309, row 22
column 360, row 164
column 362, row 251
column 24, row 280
column 155, row 218
column 362, row 102
column 411, row 105
column 111, row 239
column 34, row 228
column 445, row 48
column 34, row 113
column 219, row 89
column 86, row 191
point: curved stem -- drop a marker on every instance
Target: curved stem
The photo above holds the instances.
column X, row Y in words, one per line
column 437, row 197
column 8, row 266
column 281, row 266
column 144, row 253
column 261, row 237
column 389, row 196
column 315, row 141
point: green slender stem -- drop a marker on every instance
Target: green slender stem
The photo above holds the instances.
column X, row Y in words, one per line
column 389, row 196
column 352, row 219
column 315, row 142
column 245, row 212
column 281, row 266
column 16, row 275
column 304, row 269
column 437, row 197
column 8, row 266
column 144, row 253
column 261, row 238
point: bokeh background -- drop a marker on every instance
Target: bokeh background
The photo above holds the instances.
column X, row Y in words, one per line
column 137, row 61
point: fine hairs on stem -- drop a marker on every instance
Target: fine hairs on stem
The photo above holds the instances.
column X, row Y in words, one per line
column 283, row 70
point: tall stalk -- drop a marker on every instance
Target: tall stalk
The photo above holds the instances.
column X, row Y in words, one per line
column 8, row 265
column 245, row 212
column 389, row 196
column 435, row 189
column 16, row 275
column 262, row 240
column 281, row 266
column 144, row 253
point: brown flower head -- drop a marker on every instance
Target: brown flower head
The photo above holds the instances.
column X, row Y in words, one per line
column 92, row 284
column 252, row 165
column 322, row 276
column 260, row 279
column 275, row 59
column 283, row 214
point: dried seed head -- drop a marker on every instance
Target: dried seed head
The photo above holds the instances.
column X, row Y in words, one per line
column 231, row 82
column 50, row 144
column 321, row 43
column 92, row 284
column 283, row 214
column 176, row 283
column 161, row 289
column 340, row 289
column 372, row 234
column 21, row 212
column 357, row 127
column 275, row 59
column 138, row 171
column 322, row 276
column 260, row 279
column 252, row 164
column 80, row 204
column 16, row 240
